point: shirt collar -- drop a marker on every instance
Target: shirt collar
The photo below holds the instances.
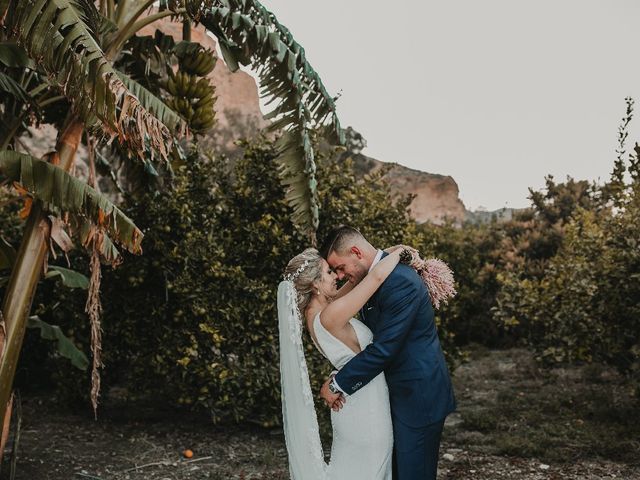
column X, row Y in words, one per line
column 377, row 258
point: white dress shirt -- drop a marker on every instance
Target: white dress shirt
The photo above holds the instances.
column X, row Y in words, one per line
column 377, row 258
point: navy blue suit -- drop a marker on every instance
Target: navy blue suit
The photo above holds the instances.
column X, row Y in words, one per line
column 406, row 347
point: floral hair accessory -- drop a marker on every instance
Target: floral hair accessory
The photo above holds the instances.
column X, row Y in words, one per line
column 292, row 276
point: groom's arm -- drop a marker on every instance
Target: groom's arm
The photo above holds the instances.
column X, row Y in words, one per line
column 399, row 303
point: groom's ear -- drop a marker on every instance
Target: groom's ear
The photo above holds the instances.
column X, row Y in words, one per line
column 357, row 252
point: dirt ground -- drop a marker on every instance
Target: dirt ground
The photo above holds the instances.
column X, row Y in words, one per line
column 512, row 423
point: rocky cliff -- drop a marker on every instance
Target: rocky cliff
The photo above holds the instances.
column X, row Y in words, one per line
column 238, row 114
column 436, row 197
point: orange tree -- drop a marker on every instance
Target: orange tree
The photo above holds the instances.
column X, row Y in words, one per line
column 581, row 303
column 193, row 322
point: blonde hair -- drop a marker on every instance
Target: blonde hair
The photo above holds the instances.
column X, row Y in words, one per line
column 304, row 270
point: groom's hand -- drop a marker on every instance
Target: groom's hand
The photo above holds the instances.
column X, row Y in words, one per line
column 334, row 400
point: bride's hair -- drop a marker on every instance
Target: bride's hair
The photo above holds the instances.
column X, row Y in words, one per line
column 303, row 270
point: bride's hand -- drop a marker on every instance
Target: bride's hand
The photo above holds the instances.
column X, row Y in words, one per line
column 334, row 400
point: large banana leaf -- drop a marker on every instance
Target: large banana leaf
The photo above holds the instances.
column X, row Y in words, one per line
column 298, row 177
column 155, row 105
column 69, row 278
column 14, row 56
column 13, row 88
column 61, row 192
column 57, row 35
column 248, row 34
column 65, row 346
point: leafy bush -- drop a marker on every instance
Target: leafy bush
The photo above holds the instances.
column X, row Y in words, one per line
column 193, row 321
column 471, row 253
column 585, row 304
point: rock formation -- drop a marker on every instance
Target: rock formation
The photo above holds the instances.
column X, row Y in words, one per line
column 436, row 197
column 238, row 114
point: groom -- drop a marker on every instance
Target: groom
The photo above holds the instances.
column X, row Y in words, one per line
column 405, row 347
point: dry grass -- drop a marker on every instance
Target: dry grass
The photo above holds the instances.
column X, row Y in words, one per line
column 563, row 415
column 514, row 422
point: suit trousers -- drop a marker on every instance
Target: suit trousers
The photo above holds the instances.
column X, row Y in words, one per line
column 416, row 451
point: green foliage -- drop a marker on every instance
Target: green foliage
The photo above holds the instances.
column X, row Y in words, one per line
column 557, row 202
column 248, row 34
column 193, row 321
column 557, row 313
column 64, row 346
column 62, row 193
column 472, row 252
column 584, row 303
column 10, row 86
column 69, row 278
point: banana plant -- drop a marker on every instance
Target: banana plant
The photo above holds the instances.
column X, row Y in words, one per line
column 249, row 35
column 66, row 56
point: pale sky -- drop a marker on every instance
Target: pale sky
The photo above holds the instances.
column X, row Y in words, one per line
column 495, row 93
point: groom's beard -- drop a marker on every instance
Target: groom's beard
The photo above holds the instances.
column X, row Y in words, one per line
column 359, row 272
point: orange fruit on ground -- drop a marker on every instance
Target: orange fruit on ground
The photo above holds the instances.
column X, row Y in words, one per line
column 187, row 453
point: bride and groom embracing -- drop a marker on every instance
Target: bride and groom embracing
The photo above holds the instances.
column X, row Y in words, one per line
column 392, row 389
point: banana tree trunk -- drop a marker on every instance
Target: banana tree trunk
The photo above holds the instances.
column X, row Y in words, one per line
column 27, row 271
column 5, row 427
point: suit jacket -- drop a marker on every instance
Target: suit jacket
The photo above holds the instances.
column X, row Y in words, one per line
column 406, row 347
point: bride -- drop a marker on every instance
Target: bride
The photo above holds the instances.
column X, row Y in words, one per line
column 362, row 430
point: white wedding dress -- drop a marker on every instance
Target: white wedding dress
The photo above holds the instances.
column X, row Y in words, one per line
column 362, row 431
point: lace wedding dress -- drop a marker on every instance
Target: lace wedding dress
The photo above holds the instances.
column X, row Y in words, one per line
column 362, row 430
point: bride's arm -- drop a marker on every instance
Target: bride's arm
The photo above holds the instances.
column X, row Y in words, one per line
column 394, row 248
column 400, row 247
column 338, row 313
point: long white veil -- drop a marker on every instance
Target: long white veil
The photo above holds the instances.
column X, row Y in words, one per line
column 300, row 422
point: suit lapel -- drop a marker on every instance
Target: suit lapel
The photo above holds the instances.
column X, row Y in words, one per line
column 367, row 314
column 369, row 320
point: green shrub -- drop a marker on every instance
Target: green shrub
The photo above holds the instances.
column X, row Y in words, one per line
column 193, row 320
column 470, row 252
column 585, row 305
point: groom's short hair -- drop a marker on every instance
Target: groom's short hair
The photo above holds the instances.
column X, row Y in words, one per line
column 340, row 240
